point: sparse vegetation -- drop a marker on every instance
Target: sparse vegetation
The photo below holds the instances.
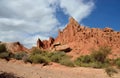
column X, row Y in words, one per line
column 88, row 61
column 61, row 57
column 57, row 56
column 20, row 55
column 110, row 71
column 98, row 58
column 4, row 54
column 117, row 62
column 83, row 59
column 38, row 59
column 2, row 48
column 101, row 54
column 67, row 62
column 38, row 56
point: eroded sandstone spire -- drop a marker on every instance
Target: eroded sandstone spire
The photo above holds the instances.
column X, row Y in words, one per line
column 72, row 21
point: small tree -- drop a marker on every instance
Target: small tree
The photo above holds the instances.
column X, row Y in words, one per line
column 101, row 54
column 117, row 62
column 2, row 48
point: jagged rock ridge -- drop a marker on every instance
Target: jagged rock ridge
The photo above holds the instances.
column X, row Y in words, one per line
column 45, row 44
column 82, row 39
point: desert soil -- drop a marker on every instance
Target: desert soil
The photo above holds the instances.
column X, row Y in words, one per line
column 51, row 71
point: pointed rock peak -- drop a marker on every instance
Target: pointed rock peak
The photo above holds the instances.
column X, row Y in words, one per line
column 39, row 39
column 39, row 43
column 72, row 20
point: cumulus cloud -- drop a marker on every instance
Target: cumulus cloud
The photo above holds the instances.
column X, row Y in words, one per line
column 26, row 20
column 79, row 9
column 29, row 41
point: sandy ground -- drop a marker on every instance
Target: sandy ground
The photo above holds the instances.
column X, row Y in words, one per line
column 52, row 71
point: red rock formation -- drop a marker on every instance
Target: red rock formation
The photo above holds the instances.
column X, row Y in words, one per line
column 65, row 48
column 45, row 44
column 82, row 39
column 15, row 47
column 39, row 43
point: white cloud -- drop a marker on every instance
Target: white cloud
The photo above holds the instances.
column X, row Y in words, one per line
column 79, row 9
column 26, row 20
column 31, row 41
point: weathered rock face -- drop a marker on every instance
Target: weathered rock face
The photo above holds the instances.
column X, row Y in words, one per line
column 15, row 47
column 64, row 48
column 82, row 39
column 39, row 43
column 45, row 44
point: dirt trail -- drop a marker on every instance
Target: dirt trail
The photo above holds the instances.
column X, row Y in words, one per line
column 52, row 71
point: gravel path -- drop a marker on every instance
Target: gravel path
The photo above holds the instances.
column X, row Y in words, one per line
column 51, row 71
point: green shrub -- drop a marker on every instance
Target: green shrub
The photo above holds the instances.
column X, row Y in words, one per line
column 110, row 71
column 37, row 58
column 60, row 57
column 57, row 56
column 98, row 65
column 101, row 54
column 2, row 48
column 84, row 59
column 117, row 62
column 6, row 55
column 97, row 59
column 67, row 62
column 36, row 51
column 20, row 55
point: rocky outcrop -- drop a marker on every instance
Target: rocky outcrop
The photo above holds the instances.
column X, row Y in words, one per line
column 39, row 43
column 64, row 48
column 14, row 47
column 45, row 44
column 107, row 29
column 81, row 39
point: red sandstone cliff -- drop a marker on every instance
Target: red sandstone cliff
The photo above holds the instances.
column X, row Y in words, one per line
column 82, row 39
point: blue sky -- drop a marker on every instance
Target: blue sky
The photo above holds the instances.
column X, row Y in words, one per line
column 28, row 20
column 106, row 13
